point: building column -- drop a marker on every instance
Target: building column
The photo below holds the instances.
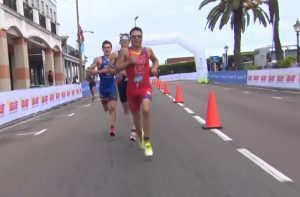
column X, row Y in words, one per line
column 49, row 60
column 4, row 63
column 57, row 28
column 59, row 69
column 36, row 17
column 20, row 7
column 48, row 23
column 22, row 64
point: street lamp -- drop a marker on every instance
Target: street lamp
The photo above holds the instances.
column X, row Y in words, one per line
column 135, row 20
column 297, row 30
column 226, row 56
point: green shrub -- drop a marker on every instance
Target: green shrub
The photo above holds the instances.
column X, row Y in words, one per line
column 186, row 67
column 286, row 63
column 250, row 67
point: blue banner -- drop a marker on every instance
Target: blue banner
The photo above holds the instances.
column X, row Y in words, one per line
column 233, row 77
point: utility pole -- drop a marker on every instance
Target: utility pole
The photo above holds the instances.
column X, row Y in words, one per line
column 81, row 77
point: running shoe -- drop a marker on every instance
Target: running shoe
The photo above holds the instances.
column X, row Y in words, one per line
column 132, row 135
column 148, row 149
column 112, row 132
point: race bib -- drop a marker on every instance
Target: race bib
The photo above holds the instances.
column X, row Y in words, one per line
column 138, row 78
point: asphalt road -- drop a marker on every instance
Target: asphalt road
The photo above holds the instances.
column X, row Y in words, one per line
column 67, row 152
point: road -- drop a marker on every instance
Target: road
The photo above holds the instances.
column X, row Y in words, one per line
column 67, row 152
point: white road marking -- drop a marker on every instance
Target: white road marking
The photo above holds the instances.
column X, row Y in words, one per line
column 170, row 97
column 280, row 98
column 173, row 100
column 265, row 166
column 226, row 89
column 245, row 92
column 40, row 132
column 187, row 110
column 292, row 92
column 88, row 105
column 31, row 133
column 72, row 114
column 199, row 119
column 180, row 104
column 221, row 135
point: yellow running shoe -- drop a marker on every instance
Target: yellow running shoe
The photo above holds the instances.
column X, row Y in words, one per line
column 141, row 141
column 148, row 149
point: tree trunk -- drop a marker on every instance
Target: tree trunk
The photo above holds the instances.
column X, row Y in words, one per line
column 238, row 15
column 274, row 18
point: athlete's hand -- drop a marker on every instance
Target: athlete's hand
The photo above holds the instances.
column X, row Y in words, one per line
column 154, row 71
column 93, row 72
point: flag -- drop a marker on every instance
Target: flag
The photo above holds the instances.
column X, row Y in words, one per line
column 80, row 38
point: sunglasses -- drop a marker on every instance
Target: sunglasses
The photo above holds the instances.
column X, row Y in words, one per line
column 136, row 36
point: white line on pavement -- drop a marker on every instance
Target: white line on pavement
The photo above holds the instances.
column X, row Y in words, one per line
column 31, row 133
column 265, row 166
column 40, row 132
column 72, row 114
column 180, row 104
column 199, row 119
column 245, row 92
column 292, row 92
column 88, row 105
column 187, row 110
column 221, row 135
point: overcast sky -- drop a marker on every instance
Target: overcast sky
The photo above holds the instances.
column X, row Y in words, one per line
column 109, row 18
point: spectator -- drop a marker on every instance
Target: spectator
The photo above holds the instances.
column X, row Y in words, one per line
column 50, row 78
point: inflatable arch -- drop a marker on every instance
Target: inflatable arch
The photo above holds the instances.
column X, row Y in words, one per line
column 183, row 41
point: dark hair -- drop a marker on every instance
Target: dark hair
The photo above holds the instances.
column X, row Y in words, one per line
column 136, row 29
column 106, row 42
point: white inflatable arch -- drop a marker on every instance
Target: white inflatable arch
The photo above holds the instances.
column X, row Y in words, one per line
column 180, row 39
column 185, row 42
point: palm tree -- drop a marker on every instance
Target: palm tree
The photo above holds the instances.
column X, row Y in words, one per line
column 238, row 12
column 274, row 19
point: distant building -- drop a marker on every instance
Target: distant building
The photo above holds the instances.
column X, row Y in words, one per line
column 179, row 60
column 30, row 44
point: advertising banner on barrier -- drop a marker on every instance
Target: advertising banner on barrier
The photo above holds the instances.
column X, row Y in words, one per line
column 86, row 88
column 233, row 77
column 281, row 78
column 179, row 76
column 20, row 103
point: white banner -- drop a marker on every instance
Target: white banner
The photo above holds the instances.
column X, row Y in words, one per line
column 20, row 103
column 180, row 76
column 281, row 78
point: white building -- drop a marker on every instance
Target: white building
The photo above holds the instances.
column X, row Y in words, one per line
column 30, row 44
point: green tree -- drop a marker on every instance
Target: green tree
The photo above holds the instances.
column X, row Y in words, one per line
column 237, row 11
column 274, row 19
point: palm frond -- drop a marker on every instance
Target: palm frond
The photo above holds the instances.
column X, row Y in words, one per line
column 226, row 15
column 205, row 2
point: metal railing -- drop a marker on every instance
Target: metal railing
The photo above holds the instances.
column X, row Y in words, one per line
column 67, row 49
column 28, row 11
column 53, row 27
column 42, row 20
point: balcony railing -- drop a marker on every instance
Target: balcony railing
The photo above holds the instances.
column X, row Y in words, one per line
column 70, row 51
column 28, row 11
column 42, row 21
column 53, row 27
column 11, row 4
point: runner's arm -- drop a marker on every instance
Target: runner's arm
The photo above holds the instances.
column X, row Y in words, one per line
column 154, row 61
column 97, row 61
column 124, row 60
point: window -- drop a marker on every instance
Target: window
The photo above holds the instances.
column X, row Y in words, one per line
column 37, row 4
column 47, row 13
column 54, row 16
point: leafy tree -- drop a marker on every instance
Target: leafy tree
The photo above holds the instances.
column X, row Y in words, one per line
column 237, row 11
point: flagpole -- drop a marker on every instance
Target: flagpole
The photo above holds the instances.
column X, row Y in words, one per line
column 81, row 77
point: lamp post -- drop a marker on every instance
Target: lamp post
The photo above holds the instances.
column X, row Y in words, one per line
column 226, row 56
column 297, row 30
column 135, row 20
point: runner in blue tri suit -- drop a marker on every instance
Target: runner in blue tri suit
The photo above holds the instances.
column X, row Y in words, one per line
column 107, row 89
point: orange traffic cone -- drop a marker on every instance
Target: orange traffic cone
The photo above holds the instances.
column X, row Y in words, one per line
column 166, row 88
column 212, row 117
column 160, row 85
column 178, row 97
